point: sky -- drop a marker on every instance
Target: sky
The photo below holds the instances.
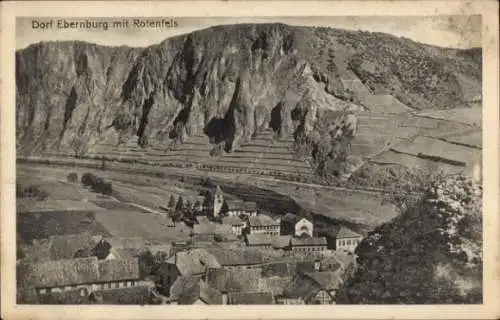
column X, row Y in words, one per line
column 445, row 31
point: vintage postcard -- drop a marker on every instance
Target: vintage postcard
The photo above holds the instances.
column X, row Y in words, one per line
column 250, row 160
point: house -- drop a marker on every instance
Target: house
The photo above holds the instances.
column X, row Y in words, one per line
column 308, row 244
column 342, row 238
column 347, row 240
column 312, row 288
column 193, row 262
column 292, row 224
column 261, row 240
column 263, row 224
column 237, row 225
column 241, row 208
column 84, row 274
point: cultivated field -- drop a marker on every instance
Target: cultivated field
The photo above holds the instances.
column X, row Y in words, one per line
column 440, row 150
column 469, row 116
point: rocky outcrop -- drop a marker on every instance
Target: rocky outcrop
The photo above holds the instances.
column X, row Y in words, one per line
column 228, row 82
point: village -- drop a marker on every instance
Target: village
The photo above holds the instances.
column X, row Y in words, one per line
column 233, row 253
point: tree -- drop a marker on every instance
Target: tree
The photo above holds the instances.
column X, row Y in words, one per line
column 180, row 204
column 72, row 177
column 101, row 250
column 103, row 164
column 88, row 179
column 171, row 202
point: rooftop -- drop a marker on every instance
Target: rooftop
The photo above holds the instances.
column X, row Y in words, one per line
column 233, row 221
column 236, row 257
column 58, row 273
column 347, row 233
column 308, row 241
column 244, row 280
column 262, row 220
column 202, row 292
column 139, row 295
column 119, row 270
column 182, row 284
column 280, row 242
column 65, row 246
column 193, row 261
column 292, row 218
column 259, row 239
column 327, row 280
column 245, row 298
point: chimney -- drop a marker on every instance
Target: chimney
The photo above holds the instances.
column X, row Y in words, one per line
column 224, row 298
column 317, row 265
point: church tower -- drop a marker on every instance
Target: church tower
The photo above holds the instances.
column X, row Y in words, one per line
column 217, row 201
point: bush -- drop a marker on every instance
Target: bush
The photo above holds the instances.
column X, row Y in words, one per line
column 72, row 177
column 31, row 191
column 89, row 179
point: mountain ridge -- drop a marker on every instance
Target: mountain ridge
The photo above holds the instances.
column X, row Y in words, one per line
column 70, row 95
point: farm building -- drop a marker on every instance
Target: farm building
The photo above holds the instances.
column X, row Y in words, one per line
column 263, row 224
column 292, row 224
column 308, row 244
column 237, row 225
column 83, row 274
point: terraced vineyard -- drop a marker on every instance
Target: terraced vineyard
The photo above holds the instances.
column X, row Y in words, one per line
column 262, row 155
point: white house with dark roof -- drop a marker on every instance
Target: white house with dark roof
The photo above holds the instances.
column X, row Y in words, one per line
column 347, row 240
column 292, row 224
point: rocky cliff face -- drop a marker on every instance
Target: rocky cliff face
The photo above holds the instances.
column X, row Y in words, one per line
column 228, row 82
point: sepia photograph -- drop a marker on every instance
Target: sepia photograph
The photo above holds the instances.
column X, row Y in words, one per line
column 223, row 160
